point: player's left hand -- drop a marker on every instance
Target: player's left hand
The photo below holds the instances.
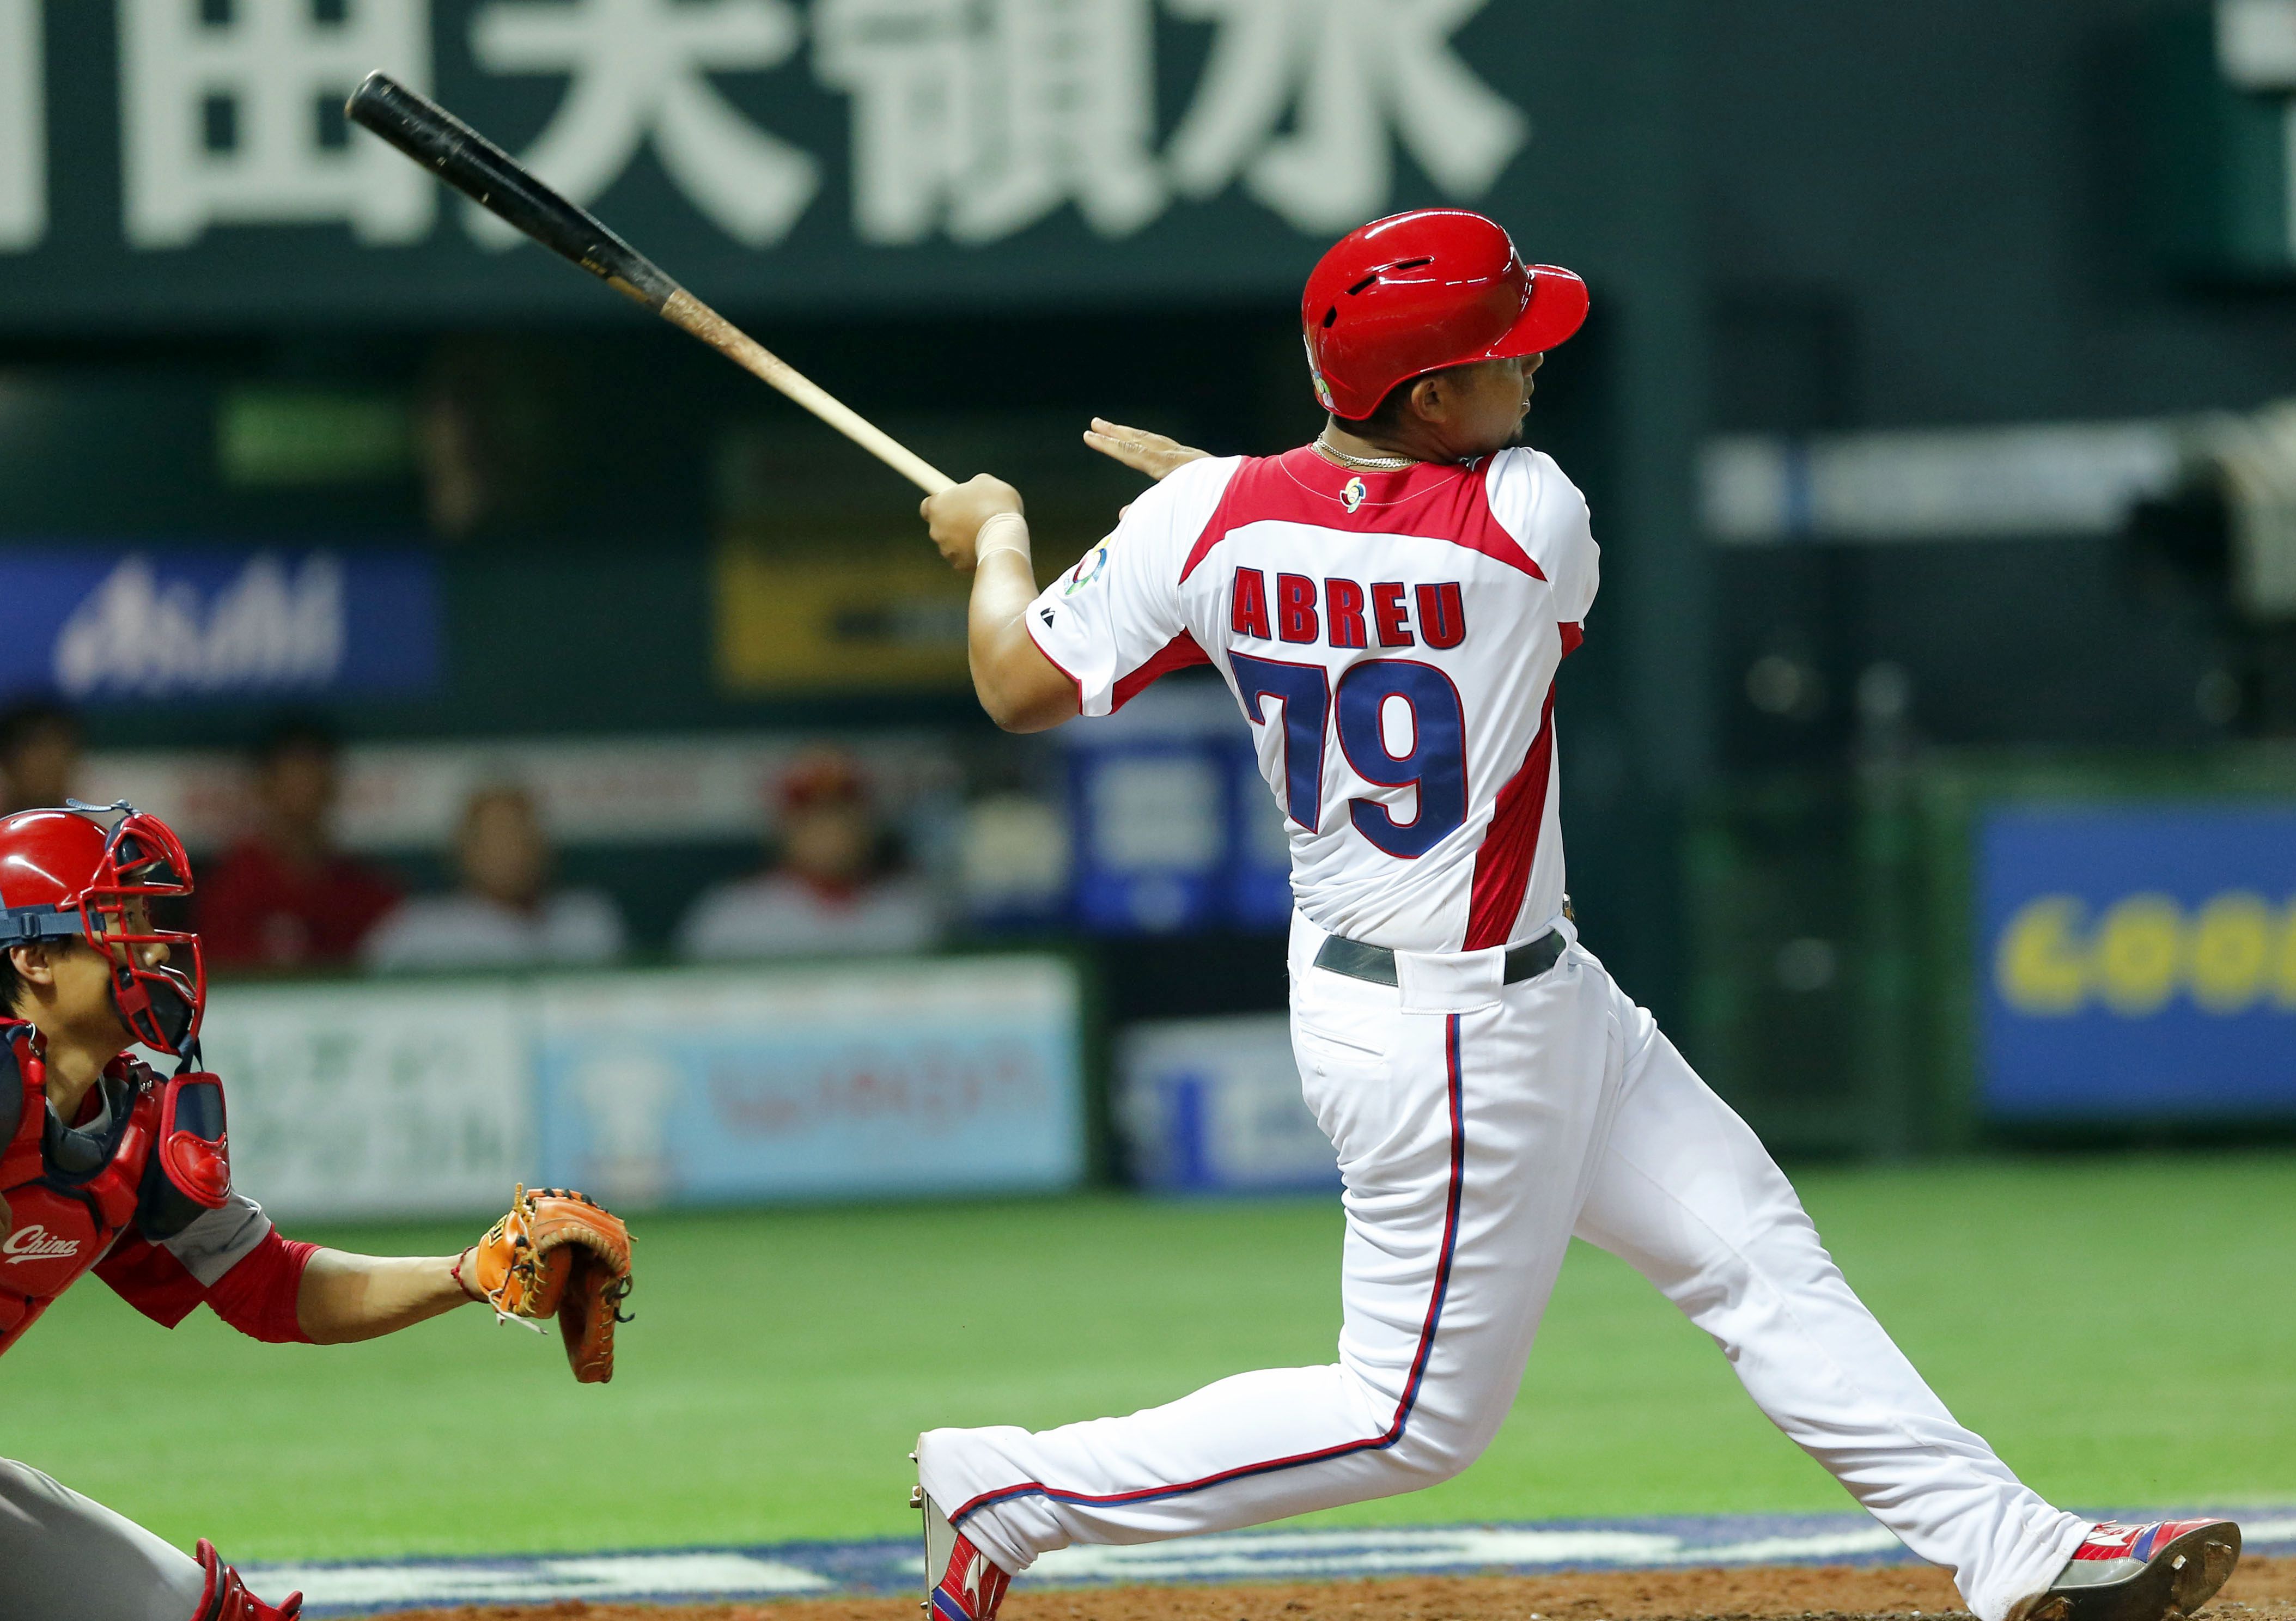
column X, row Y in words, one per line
column 956, row 516
column 558, row 1253
column 1153, row 453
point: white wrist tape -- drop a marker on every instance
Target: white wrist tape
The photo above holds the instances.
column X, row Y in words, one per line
column 1002, row 532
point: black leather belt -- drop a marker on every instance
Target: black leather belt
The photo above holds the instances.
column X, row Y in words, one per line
column 1376, row 963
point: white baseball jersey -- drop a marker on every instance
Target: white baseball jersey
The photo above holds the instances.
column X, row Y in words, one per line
column 1393, row 639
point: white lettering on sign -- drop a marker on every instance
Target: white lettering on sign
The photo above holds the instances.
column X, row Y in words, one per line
column 971, row 120
column 984, row 119
column 640, row 71
column 266, row 628
column 23, row 128
column 1350, row 75
column 2256, row 52
column 36, row 1243
column 2256, row 44
column 240, row 121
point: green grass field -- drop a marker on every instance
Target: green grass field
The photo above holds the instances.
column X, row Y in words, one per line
column 2124, row 1330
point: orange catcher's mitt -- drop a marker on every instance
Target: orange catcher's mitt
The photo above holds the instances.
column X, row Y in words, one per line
column 558, row 1253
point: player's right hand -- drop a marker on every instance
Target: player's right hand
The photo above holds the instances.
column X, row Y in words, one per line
column 1138, row 449
column 954, row 516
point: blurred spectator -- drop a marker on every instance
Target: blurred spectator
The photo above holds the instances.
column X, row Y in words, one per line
column 828, row 893
column 505, row 915
column 284, row 896
column 39, row 755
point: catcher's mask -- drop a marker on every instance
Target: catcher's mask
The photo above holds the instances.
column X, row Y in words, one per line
column 63, row 875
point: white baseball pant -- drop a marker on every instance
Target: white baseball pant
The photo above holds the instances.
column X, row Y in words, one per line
column 1474, row 1145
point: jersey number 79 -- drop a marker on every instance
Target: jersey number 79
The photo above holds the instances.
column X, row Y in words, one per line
column 1436, row 765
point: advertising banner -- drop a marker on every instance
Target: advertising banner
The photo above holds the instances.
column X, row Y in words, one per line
column 902, row 1078
column 2138, row 962
column 706, row 1085
column 1213, row 1106
column 193, row 622
column 1174, row 828
column 176, row 159
column 375, row 1099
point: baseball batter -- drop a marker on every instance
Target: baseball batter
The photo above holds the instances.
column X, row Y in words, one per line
column 1389, row 605
column 106, row 1167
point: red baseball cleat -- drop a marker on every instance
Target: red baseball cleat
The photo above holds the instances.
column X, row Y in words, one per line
column 225, row 1597
column 967, row 1585
column 2167, row 1569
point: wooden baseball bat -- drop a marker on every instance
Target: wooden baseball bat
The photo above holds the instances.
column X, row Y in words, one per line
column 491, row 177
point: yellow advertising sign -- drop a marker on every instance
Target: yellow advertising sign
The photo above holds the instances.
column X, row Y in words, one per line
column 791, row 624
column 2234, row 952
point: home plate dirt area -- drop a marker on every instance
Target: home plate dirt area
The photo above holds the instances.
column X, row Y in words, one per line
column 2263, row 1588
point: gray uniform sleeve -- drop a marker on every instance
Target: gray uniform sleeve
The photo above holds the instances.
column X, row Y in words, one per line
column 219, row 1239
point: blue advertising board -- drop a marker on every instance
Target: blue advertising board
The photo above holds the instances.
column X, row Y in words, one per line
column 1214, row 1106
column 1174, row 831
column 1260, row 845
column 2138, row 962
column 217, row 623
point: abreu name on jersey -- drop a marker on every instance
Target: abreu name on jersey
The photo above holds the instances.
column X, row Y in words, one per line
column 1392, row 639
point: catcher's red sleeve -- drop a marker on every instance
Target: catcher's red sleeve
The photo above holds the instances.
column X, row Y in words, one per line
column 257, row 1296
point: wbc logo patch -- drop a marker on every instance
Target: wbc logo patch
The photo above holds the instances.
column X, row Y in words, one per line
column 1087, row 570
column 1351, row 493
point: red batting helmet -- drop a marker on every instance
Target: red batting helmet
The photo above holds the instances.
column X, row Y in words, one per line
column 63, row 877
column 1415, row 292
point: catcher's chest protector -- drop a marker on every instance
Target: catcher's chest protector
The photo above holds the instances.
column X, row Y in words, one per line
column 62, row 1218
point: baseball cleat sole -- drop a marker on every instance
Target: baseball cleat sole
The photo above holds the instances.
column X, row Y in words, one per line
column 2181, row 1575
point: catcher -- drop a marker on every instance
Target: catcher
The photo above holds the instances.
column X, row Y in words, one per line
column 106, row 1166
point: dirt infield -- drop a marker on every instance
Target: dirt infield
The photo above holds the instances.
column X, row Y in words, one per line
column 2262, row 1589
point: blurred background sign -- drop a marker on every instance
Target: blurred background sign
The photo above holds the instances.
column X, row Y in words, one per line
column 1171, row 827
column 2219, row 92
column 813, row 153
column 895, row 1079
column 357, row 1100
column 1213, row 1106
column 796, row 623
column 107, row 625
column 2138, row 960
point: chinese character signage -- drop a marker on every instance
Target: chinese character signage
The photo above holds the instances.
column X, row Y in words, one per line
column 2138, row 963
column 182, row 159
column 216, row 624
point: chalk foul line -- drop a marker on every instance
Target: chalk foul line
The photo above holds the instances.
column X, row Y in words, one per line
column 822, row 1569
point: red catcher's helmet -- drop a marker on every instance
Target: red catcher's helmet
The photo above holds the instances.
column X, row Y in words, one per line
column 1415, row 292
column 63, row 876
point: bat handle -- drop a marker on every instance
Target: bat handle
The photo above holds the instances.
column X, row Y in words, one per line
column 690, row 314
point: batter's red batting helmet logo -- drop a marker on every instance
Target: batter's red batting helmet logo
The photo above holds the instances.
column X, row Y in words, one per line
column 1416, row 292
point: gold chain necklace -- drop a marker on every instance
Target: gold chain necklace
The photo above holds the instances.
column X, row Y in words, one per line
column 1370, row 464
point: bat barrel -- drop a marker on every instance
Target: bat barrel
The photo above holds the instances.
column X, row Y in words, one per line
column 489, row 176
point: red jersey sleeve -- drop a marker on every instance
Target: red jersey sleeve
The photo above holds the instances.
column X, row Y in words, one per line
column 232, row 1260
column 257, row 1296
